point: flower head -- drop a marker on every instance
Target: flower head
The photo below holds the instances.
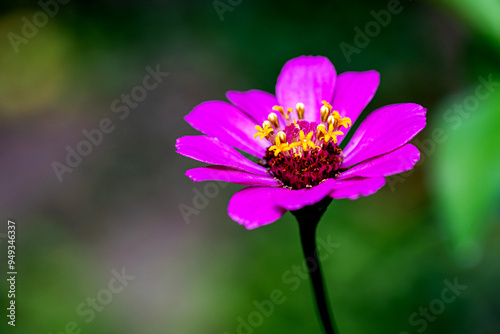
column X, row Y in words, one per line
column 299, row 142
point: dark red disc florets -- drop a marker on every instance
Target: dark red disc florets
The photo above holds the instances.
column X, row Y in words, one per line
column 298, row 168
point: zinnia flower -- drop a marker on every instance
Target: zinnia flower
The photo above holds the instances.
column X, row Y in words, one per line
column 296, row 138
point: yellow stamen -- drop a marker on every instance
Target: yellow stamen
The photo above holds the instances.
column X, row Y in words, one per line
column 305, row 141
column 281, row 111
column 327, row 105
column 281, row 145
column 322, row 133
column 264, row 131
column 300, row 110
column 342, row 121
column 324, row 113
column 282, row 137
column 273, row 118
column 278, row 109
column 345, row 121
column 331, row 120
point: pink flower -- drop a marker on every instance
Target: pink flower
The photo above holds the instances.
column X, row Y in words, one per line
column 297, row 137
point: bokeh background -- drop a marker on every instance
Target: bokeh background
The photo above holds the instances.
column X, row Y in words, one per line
column 119, row 207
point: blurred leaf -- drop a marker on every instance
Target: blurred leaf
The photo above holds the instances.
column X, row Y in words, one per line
column 467, row 171
column 483, row 15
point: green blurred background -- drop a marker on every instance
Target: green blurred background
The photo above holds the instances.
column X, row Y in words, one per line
column 119, row 208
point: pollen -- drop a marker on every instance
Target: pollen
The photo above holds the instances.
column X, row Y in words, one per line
column 327, row 105
column 305, row 141
column 324, row 113
column 273, row 118
column 264, row 131
column 281, row 145
column 327, row 135
column 281, row 111
column 342, row 121
column 303, row 153
column 285, row 114
column 300, row 110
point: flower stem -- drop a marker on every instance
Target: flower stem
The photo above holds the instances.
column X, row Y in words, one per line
column 308, row 219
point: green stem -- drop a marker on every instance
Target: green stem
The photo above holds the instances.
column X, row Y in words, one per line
column 308, row 219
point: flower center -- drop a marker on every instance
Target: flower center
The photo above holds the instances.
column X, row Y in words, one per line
column 303, row 154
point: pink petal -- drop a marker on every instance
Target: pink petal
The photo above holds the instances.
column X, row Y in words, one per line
column 398, row 161
column 353, row 92
column 296, row 199
column 255, row 103
column 254, row 207
column 229, row 124
column 220, row 173
column 354, row 188
column 383, row 131
column 306, row 79
column 258, row 206
column 212, row 151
